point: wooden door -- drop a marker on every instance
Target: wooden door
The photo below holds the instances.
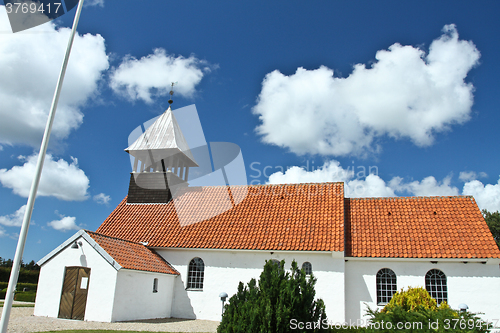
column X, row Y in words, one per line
column 74, row 293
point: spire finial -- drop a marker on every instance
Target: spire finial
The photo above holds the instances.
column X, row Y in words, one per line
column 170, row 101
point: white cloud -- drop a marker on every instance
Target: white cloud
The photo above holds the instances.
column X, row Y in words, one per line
column 487, row 196
column 15, row 219
column 102, row 198
column 465, row 176
column 330, row 172
column 94, row 3
column 371, row 186
column 30, row 64
column 60, row 179
column 429, row 186
column 358, row 181
column 153, row 75
column 2, row 232
column 406, row 93
column 66, row 223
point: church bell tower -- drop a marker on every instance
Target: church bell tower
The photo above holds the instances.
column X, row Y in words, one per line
column 162, row 159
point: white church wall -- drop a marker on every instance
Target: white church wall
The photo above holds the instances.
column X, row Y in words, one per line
column 474, row 283
column 101, row 282
column 135, row 299
column 224, row 269
column 477, row 285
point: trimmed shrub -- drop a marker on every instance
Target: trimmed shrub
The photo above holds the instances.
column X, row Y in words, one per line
column 25, row 296
column 29, row 286
column 20, row 295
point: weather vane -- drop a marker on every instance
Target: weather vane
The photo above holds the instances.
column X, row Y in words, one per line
column 170, row 101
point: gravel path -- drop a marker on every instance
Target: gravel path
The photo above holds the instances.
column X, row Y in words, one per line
column 23, row 321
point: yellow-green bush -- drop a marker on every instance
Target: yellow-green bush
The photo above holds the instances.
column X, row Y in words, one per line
column 416, row 312
column 413, row 299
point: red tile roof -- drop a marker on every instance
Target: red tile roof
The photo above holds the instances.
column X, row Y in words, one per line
column 309, row 217
column 132, row 255
column 303, row 217
column 417, row 227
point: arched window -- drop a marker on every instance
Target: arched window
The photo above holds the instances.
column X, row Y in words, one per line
column 435, row 283
column 277, row 263
column 386, row 285
column 155, row 285
column 196, row 273
column 307, row 267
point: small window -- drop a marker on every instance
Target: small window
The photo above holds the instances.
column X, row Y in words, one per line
column 307, row 267
column 386, row 285
column 277, row 263
column 196, row 274
column 155, row 285
column 435, row 284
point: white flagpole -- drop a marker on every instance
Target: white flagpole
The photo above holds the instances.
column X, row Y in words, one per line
column 14, row 274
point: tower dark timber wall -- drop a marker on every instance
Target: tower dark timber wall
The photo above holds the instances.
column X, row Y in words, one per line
column 148, row 187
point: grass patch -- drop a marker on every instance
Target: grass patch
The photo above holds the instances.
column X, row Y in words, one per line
column 19, row 305
column 102, row 331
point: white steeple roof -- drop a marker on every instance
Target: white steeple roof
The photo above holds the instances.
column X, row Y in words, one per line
column 161, row 140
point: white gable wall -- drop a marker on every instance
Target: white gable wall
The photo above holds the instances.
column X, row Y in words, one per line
column 474, row 283
column 135, row 299
column 224, row 269
column 101, row 283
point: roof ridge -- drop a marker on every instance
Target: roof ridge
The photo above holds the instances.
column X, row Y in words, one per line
column 146, row 203
column 268, row 185
column 290, row 184
column 120, row 239
column 416, row 197
column 259, row 185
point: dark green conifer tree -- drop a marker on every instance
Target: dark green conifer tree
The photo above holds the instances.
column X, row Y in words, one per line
column 270, row 305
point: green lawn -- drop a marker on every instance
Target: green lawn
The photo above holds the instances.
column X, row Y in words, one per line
column 19, row 305
column 100, row 331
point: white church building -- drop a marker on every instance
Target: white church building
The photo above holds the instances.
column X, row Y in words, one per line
column 169, row 249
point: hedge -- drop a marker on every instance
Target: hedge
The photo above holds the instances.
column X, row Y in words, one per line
column 20, row 286
column 25, row 276
column 29, row 286
column 26, row 296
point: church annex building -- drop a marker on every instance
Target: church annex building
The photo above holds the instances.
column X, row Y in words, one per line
column 148, row 261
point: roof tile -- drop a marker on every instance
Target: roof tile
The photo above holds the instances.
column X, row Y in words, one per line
column 417, row 227
column 309, row 217
column 258, row 222
column 132, row 255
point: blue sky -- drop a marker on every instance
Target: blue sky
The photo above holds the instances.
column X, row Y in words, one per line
column 406, row 90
